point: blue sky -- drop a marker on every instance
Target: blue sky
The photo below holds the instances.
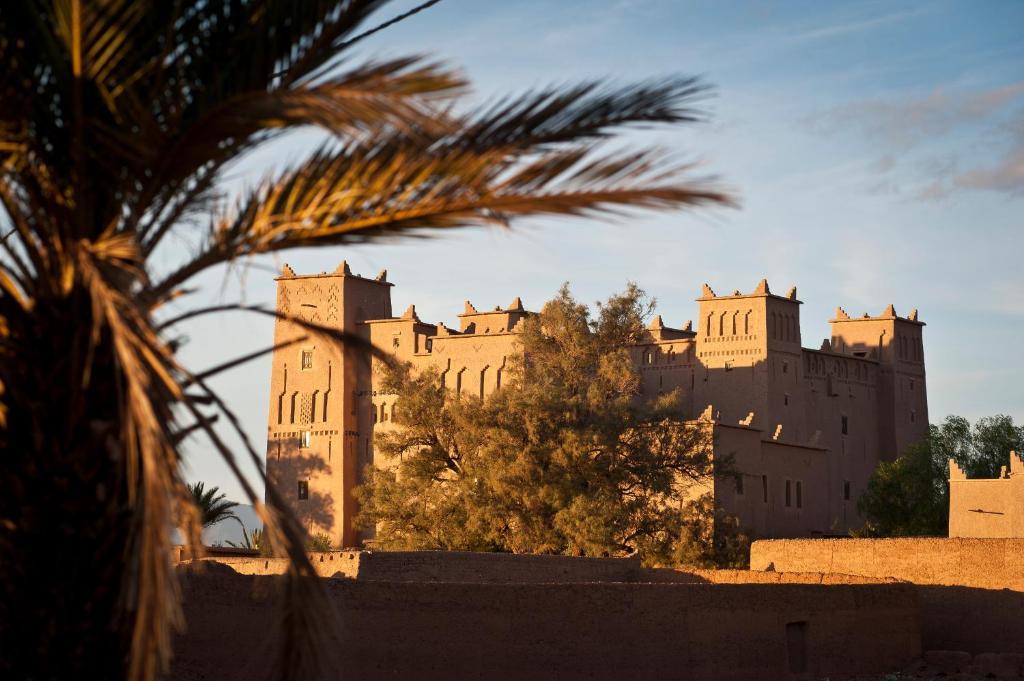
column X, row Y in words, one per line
column 876, row 148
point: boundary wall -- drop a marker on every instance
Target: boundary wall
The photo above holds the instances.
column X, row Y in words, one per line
column 447, row 566
column 971, row 590
column 564, row 631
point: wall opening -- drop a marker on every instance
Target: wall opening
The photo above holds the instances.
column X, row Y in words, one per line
column 764, row 488
column 789, row 493
column 799, row 494
column 303, row 490
column 796, row 647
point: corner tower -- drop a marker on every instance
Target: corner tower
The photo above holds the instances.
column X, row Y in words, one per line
column 897, row 344
column 312, row 427
column 749, row 346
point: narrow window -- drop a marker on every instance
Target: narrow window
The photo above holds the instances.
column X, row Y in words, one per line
column 305, row 437
column 739, row 484
column 846, row 490
column 307, row 359
column 303, row 490
column 764, row 488
column 913, row 416
column 383, row 413
column 799, row 495
column 846, row 425
column 394, row 410
column 911, row 384
column 373, row 408
column 785, row 400
column 789, row 493
column 785, row 367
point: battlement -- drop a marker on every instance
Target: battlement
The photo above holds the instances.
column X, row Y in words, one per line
column 343, row 270
column 888, row 314
column 762, row 290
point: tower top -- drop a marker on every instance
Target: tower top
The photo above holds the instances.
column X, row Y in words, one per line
column 762, row 290
column 343, row 270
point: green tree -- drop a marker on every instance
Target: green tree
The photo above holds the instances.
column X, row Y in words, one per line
column 213, row 507
column 910, row 496
column 117, row 121
column 571, row 458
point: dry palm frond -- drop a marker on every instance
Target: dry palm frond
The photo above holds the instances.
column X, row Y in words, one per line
column 117, row 119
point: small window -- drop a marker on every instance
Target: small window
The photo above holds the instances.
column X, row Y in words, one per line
column 394, row 410
column 395, row 342
column 785, row 367
column 373, row 407
column 428, row 344
column 846, row 490
column 913, row 416
column 799, row 495
column 739, row 484
column 303, row 490
column 649, row 357
column 764, row 488
column 911, row 384
column 305, row 437
column 846, row 425
column 785, row 400
column 789, row 494
column 307, row 359
column 383, row 413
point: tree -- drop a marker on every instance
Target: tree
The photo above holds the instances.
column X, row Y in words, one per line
column 910, row 496
column 571, row 458
column 213, row 507
column 117, row 120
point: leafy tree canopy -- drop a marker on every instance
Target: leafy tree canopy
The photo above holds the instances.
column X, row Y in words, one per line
column 910, row 496
column 568, row 458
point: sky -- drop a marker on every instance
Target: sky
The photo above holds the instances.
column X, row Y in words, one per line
column 876, row 150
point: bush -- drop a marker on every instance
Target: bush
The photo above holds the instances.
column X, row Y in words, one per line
column 320, row 541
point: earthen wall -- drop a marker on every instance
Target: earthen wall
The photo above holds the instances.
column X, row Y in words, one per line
column 401, row 630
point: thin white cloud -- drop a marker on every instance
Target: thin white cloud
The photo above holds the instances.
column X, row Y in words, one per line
column 856, row 26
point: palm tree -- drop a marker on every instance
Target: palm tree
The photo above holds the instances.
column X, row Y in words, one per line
column 117, row 120
column 213, row 507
